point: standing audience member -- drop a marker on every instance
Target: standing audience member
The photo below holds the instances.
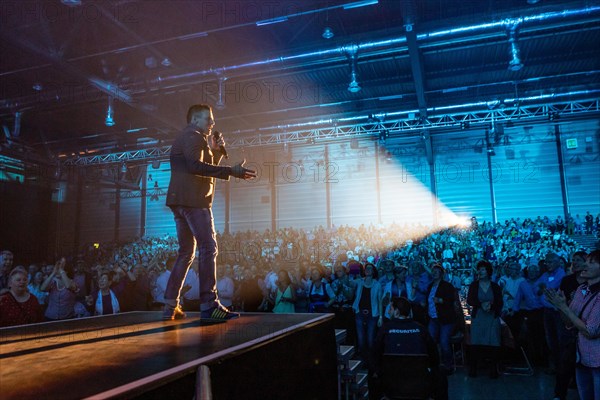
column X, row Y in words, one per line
column 6, row 261
column 442, row 314
column 367, row 303
column 553, row 324
column 320, row 295
column 528, row 303
column 583, row 314
column 18, row 306
column 35, row 288
column 285, row 295
column 486, row 299
column 104, row 301
column 566, row 368
column 61, row 293
column 510, row 285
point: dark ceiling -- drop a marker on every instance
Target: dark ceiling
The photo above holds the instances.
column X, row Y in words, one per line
column 60, row 64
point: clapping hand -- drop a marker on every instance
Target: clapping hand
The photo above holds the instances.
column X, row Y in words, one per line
column 239, row 171
column 556, row 298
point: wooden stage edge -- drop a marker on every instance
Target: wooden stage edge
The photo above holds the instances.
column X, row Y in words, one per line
column 137, row 354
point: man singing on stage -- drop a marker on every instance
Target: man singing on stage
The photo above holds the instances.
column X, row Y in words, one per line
column 195, row 156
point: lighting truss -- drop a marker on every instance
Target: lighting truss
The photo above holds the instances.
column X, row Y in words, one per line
column 400, row 124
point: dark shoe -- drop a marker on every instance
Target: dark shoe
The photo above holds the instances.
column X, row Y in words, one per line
column 473, row 372
column 218, row 313
column 171, row 313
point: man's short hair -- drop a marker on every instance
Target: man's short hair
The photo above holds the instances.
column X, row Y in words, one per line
column 196, row 108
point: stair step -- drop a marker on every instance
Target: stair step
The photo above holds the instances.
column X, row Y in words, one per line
column 345, row 353
column 354, row 364
column 361, row 384
column 340, row 336
column 352, row 368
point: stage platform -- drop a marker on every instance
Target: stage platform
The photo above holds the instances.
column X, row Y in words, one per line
column 136, row 354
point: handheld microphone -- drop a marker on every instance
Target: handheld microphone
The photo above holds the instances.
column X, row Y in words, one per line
column 217, row 136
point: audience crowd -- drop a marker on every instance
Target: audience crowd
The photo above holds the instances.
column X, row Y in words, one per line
column 520, row 274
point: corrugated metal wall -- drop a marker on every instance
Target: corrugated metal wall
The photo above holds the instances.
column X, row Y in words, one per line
column 526, row 182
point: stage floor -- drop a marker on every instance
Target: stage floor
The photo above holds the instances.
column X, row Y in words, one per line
column 124, row 354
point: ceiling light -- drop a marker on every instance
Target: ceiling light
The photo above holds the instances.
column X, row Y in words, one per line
column 71, row 3
column 38, row 87
column 327, row 33
column 166, row 62
column 220, row 104
column 353, row 86
column 123, row 168
column 515, row 63
column 109, row 121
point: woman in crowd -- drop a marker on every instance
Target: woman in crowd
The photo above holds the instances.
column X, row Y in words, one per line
column 367, row 310
column 18, row 306
column 35, row 288
column 285, row 295
column 583, row 314
column 62, row 291
column 320, row 295
column 104, row 301
column 399, row 287
column 486, row 299
column 441, row 310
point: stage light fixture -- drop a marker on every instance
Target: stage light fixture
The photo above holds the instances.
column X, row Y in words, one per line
column 328, row 33
column 123, row 168
column 220, row 104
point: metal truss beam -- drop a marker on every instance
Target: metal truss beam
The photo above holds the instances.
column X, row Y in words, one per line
column 482, row 115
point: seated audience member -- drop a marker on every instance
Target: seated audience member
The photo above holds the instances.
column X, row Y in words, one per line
column 18, row 306
column 401, row 335
column 104, row 301
column 486, row 299
column 61, row 293
column 191, row 288
column 225, row 286
column 583, row 314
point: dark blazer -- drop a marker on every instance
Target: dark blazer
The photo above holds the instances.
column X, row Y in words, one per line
column 445, row 311
column 473, row 298
column 194, row 167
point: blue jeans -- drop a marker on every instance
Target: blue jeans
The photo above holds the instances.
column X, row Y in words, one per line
column 441, row 334
column 194, row 226
column 588, row 382
column 365, row 332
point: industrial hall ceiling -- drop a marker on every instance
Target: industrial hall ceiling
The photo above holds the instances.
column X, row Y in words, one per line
column 96, row 77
